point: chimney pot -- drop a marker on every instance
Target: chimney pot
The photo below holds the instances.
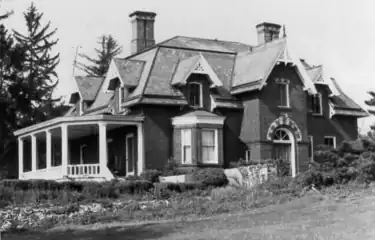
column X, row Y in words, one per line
column 267, row 32
column 142, row 30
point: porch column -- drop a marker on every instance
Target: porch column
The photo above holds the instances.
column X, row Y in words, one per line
column 140, row 149
column 64, row 149
column 33, row 153
column 20, row 157
column 102, row 146
column 48, row 150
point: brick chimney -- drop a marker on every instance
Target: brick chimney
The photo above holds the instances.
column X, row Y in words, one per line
column 143, row 30
column 267, row 32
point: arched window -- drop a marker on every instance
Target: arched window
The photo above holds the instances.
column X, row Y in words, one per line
column 281, row 135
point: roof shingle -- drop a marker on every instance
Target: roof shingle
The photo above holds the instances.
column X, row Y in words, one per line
column 88, row 86
column 130, row 70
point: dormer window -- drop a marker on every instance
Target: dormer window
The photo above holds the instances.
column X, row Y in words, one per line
column 195, row 94
column 283, row 87
column 317, row 108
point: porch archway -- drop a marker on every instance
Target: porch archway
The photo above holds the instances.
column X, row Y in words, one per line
column 284, row 145
column 284, row 121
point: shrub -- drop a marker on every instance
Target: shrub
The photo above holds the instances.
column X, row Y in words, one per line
column 151, row 175
column 211, row 176
column 13, row 191
column 171, row 168
column 282, row 168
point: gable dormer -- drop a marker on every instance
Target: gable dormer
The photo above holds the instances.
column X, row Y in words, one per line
column 87, row 90
column 196, row 79
column 122, row 78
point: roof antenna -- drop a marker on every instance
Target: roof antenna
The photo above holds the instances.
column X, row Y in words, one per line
column 75, row 60
column 284, row 31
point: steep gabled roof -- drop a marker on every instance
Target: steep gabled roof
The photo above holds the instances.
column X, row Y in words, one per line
column 88, row 86
column 129, row 70
column 153, row 72
column 167, row 60
column 253, row 68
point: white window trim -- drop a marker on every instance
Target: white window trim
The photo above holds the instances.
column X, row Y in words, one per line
column 311, row 139
column 321, row 105
column 216, row 142
column 128, row 136
column 287, row 94
column 331, row 137
column 82, row 147
column 200, row 93
column 183, row 143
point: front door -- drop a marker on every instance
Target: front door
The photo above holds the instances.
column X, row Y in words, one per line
column 284, row 148
column 130, row 154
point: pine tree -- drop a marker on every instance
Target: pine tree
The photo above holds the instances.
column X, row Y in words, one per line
column 109, row 48
column 34, row 85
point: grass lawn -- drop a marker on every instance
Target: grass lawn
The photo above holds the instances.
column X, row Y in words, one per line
column 311, row 217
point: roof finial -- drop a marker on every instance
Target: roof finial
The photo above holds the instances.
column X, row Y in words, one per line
column 284, row 31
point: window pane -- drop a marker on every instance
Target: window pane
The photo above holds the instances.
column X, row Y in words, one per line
column 283, row 93
column 208, row 138
column 186, row 146
column 186, row 137
column 187, row 154
column 194, row 94
column 208, row 155
column 316, row 104
column 328, row 142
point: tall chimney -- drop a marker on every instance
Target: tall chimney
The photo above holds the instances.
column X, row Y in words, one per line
column 143, row 30
column 267, row 32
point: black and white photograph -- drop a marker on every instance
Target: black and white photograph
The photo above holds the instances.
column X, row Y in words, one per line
column 200, row 119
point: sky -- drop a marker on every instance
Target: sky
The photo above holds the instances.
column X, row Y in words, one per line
column 340, row 34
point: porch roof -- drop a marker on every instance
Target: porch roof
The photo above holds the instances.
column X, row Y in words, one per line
column 76, row 120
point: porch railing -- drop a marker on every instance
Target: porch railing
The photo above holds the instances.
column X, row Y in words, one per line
column 90, row 170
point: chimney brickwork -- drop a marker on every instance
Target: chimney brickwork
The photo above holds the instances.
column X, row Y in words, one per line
column 267, row 32
column 142, row 30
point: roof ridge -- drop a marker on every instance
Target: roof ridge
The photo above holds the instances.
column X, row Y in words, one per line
column 215, row 40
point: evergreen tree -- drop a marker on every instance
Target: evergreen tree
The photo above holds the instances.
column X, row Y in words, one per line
column 33, row 88
column 98, row 66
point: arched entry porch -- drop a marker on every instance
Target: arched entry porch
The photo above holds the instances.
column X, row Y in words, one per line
column 285, row 134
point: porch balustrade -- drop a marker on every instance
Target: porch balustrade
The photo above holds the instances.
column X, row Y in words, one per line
column 84, row 170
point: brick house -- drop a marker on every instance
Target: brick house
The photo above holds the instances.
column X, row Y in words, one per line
column 201, row 102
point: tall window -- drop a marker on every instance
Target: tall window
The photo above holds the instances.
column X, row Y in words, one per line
column 330, row 141
column 209, row 146
column 195, row 94
column 186, row 146
column 311, row 148
column 316, row 107
column 283, row 94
